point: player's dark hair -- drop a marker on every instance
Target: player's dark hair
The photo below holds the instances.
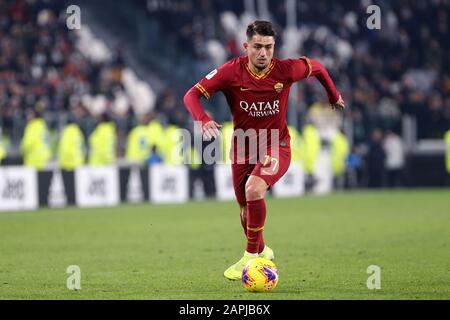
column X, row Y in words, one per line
column 263, row 28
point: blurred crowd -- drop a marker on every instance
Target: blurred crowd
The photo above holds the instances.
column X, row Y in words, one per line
column 401, row 69
column 388, row 75
column 41, row 68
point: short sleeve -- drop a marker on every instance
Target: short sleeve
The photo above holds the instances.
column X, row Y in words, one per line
column 217, row 80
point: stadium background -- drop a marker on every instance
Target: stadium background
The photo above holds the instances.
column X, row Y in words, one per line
column 132, row 61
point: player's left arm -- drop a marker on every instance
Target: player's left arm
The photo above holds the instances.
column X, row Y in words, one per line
column 311, row 67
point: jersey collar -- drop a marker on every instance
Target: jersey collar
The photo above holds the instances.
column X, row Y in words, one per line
column 256, row 76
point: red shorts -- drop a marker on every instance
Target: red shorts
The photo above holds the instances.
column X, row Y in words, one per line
column 271, row 169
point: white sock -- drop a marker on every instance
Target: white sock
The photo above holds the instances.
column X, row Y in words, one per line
column 253, row 255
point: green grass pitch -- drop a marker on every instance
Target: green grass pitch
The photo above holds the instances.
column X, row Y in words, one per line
column 323, row 246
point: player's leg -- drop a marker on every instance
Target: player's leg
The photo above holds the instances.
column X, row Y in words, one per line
column 243, row 216
column 253, row 219
column 264, row 175
column 251, row 190
column 240, row 174
column 253, row 186
column 255, row 191
column 264, row 251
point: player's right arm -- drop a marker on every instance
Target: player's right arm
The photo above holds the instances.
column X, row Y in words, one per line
column 216, row 80
column 209, row 128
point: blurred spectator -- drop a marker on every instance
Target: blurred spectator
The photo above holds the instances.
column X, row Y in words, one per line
column 172, row 145
column 447, row 155
column 71, row 152
column 339, row 153
column 227, row 137
column 207, row 170
column 395, row 158
column 169, row 105
column 355, row 164
column 201, row 171
column 296, row 144
column 156, row 134
column 2, row 152
column 309, row 153
column 376, row 160
column 138, row 144
column 212, row 149
column 324, row 119
column 154, row 157
column 359, row 127
column 389, row 112
column 103, row 142
column 71, row 149
column 35, row 145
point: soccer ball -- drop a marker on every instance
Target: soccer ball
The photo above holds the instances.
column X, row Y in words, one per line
column 260, row 275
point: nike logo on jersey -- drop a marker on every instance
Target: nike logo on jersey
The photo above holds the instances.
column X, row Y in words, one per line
column 245, row 89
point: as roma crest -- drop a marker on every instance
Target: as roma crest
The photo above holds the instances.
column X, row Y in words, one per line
column 278, row 87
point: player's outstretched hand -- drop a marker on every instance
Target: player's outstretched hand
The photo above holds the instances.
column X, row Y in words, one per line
column 211, row 130
column 340, row 104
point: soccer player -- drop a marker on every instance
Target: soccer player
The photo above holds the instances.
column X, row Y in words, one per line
column 256, row 87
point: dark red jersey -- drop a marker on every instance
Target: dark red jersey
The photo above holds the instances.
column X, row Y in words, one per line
column 258, row 102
